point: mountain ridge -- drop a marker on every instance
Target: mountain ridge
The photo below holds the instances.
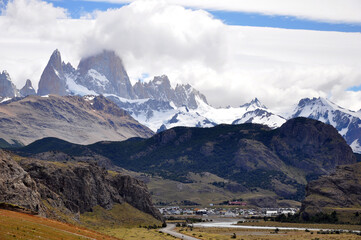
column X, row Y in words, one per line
column 159, row 106
column 89, row 119
column 252, row 155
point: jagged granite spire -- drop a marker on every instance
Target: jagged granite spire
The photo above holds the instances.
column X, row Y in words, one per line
column 53, row 79
column 27, row 89
column 7, row 88
column 104, row 73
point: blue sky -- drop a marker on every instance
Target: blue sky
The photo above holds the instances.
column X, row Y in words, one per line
column 77, row 8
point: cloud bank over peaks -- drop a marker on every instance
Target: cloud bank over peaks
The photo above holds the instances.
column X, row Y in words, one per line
column 229, row 64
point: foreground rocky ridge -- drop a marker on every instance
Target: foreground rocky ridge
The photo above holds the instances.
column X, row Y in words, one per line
column 81, row 120
column 56, row 189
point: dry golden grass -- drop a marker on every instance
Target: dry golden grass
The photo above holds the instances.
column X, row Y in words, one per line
column 14, row 225
column 120, row 216
column 137, row 233
column 252, row 234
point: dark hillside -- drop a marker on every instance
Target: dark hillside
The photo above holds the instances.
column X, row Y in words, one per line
column 252, row 155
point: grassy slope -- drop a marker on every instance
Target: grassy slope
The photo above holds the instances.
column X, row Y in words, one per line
column 121, row 215
column 200, row 191
column 15, row 225
column 123, row 221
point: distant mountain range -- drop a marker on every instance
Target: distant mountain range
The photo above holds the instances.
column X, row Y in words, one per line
column 159, row 106
column 77, row 119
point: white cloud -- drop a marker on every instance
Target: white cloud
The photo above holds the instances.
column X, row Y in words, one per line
column 345, row 11
column 229, row 64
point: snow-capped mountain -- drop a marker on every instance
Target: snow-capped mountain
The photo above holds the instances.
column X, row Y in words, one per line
column 161, row 115
column 160, row 106
column 155, row 104
column 160, row 88
column 347, row 123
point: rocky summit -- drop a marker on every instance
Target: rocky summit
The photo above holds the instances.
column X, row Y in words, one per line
column 54, row 77
column 7, row 88
column 104, row 73
column 27, row 89
column 55, row 189
column 76, row 119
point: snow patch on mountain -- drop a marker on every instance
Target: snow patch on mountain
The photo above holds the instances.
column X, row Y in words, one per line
column 356, row 147
column 76, row 89
column 97, row 78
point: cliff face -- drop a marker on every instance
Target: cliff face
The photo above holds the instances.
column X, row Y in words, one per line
column 341, row 189
column 69, row 188
column 16, row 185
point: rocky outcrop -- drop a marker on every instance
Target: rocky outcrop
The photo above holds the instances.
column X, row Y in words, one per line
column 104, row 73
column 69, row 188
column 311, row 145
column 341, row 189
column 76, row 119
column 16, row 185
column 54, row 77
column 7, row 88
column 136, row 193
column 27, row 89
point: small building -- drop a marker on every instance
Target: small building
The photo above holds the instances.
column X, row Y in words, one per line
column 271, row 212
column 201, row 211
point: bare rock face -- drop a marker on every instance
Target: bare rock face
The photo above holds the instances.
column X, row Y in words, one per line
column 341, row 189
column 160, row 89
column 54, row 77
column 7, row 88
column 27, row 89
column 70, row 188
column 81, row 186
column 16, row 185
column 105, row 73
column 136, row 193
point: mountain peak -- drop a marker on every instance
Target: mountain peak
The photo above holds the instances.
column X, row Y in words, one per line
column 27, row 89
column 161, row 80
column 55, row 59
column 7, row 88
column 254, row 104
column 52, row 80
column 104, row 73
